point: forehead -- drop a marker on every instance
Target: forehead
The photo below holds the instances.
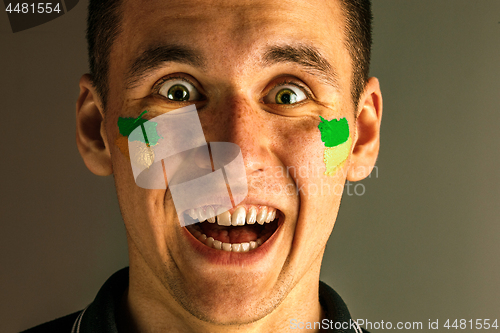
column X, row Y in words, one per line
column 235, row 17
column 234, row 27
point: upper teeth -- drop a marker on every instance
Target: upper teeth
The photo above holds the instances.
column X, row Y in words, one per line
column 240, row 215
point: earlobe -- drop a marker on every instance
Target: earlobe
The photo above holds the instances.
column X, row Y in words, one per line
column 367, row 142
column 90, row 130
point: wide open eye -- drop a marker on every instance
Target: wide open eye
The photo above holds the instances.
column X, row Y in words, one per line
column 179, row 90
column 285, row 94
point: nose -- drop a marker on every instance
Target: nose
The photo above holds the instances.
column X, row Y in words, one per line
column 238, row 121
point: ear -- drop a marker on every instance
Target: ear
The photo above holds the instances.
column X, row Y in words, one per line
column 90, row 130
column 366, row 147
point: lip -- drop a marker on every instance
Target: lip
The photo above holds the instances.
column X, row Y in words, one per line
column 225, row 258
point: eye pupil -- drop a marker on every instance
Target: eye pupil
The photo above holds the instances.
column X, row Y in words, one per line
column 178, row 93
column 286, row 96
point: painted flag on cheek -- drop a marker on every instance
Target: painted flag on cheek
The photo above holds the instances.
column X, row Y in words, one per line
column 335, row 136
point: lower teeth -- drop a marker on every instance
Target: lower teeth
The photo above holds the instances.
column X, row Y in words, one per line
column 229, row 247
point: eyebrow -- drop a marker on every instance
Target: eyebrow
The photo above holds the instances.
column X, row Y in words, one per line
column 155, row 57
column 304, row 56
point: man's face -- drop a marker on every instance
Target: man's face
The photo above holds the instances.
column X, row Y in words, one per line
column 238, row 57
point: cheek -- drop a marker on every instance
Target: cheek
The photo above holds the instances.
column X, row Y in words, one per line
column 135, row 202
column 310, row 149
column 299, row 144
column 301, row 149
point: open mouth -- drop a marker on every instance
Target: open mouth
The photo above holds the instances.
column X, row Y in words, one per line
column 241, row 229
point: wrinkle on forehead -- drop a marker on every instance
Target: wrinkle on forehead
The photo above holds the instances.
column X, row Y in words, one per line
column 239, row 31
column 234, row 21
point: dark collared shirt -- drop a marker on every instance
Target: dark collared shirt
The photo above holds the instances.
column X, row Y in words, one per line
column 100, row 315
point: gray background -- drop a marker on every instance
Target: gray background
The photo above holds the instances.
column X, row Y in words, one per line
column 421, row 243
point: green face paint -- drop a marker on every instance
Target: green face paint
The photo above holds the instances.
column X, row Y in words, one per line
column 335, row 136
column 127, row 125
column 143, row 155
column 333, row 132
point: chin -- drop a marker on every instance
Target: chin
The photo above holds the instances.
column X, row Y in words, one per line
column 220, row 310
column 239, row 299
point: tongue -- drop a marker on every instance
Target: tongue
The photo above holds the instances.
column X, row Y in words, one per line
column 234, row 235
